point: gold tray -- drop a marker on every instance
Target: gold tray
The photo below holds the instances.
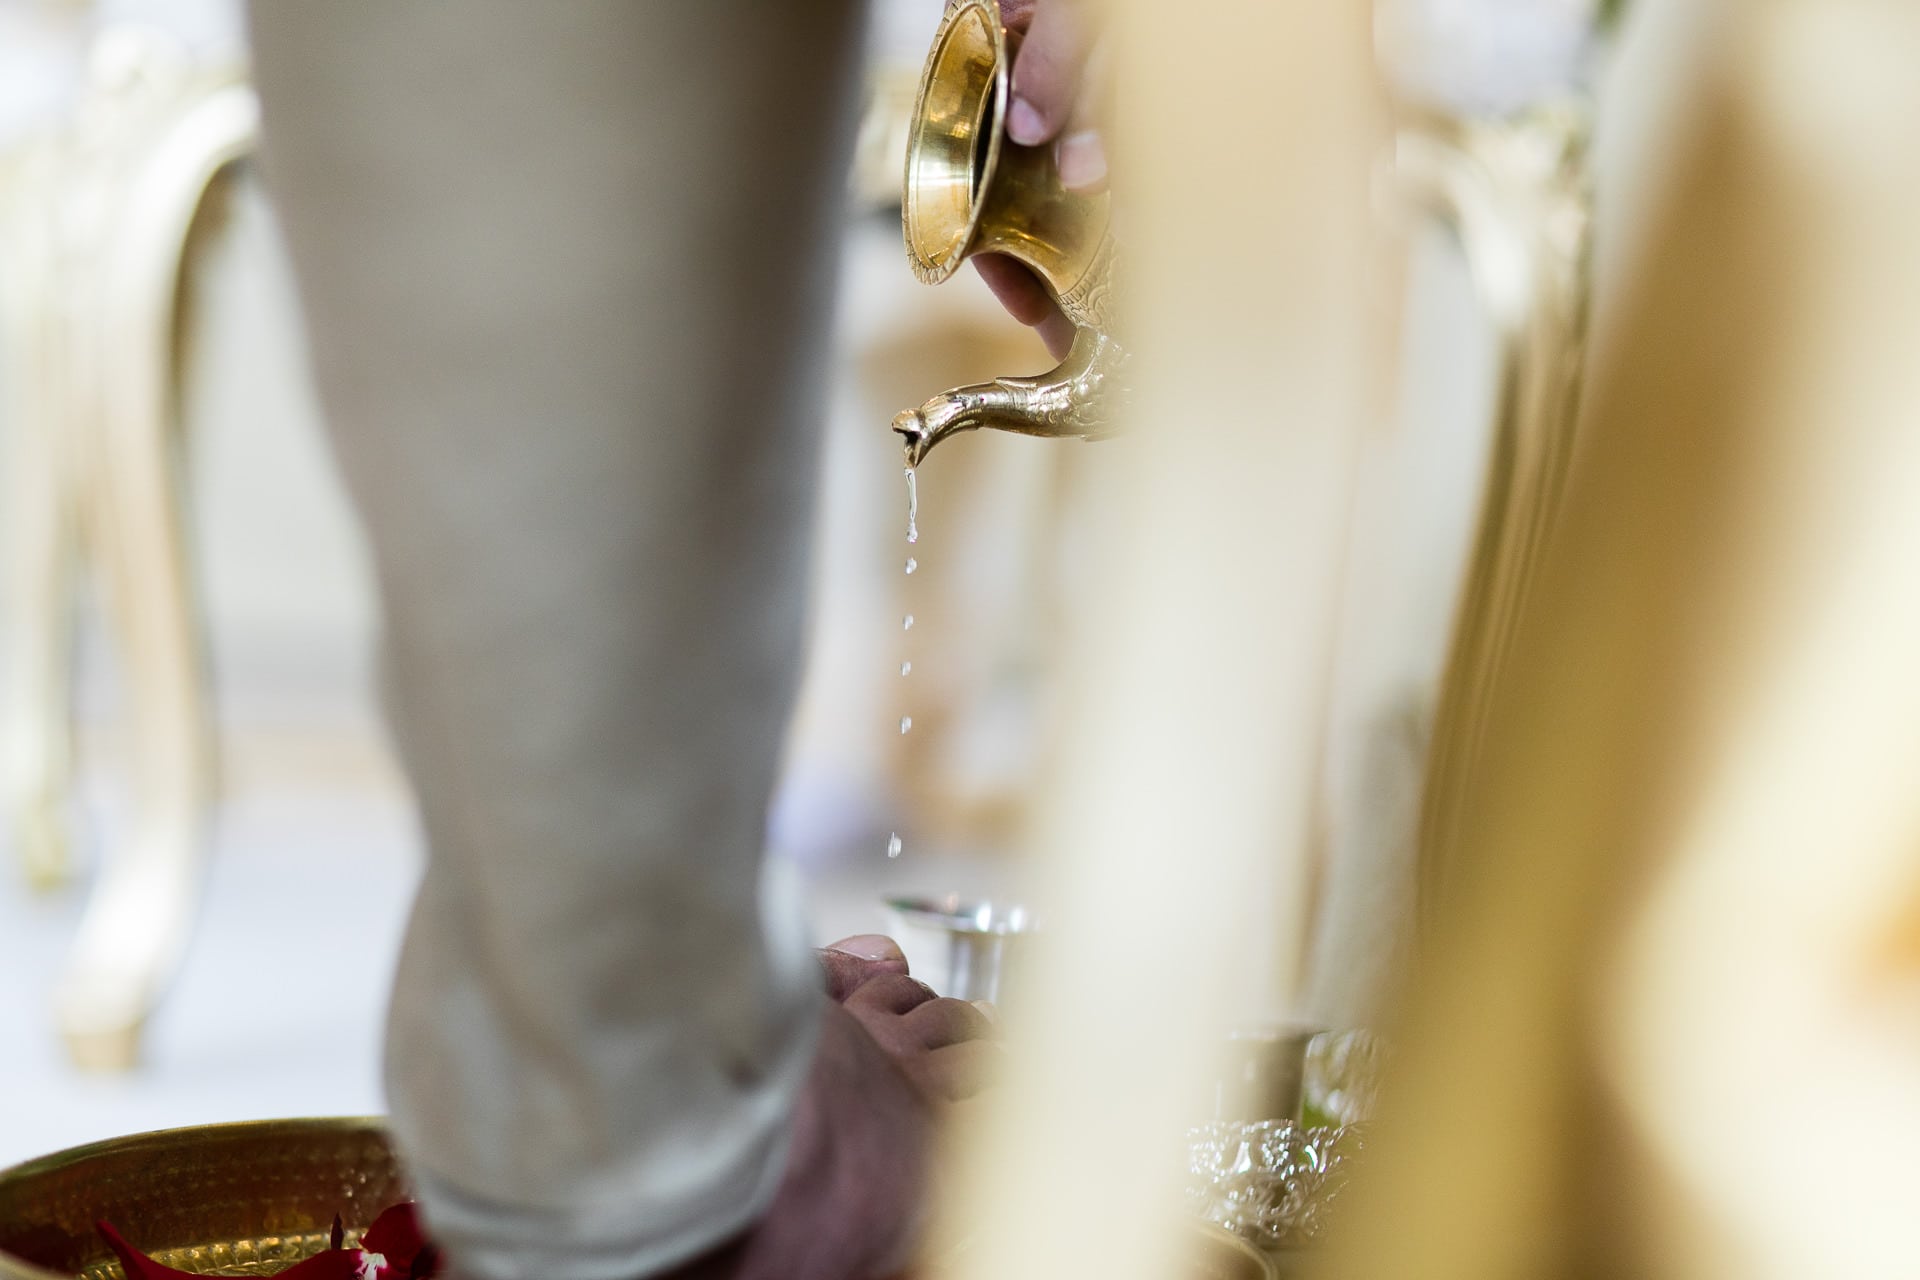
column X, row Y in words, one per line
column 227, row 1200
column 252, row 1199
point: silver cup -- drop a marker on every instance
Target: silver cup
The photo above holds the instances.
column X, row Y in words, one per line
column 983, row 940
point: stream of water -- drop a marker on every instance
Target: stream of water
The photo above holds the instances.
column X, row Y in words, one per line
column 894, row 843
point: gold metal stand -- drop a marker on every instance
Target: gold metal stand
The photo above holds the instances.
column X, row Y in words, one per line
column 1517, row 194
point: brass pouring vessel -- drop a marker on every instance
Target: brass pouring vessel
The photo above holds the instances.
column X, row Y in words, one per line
column 970, row 189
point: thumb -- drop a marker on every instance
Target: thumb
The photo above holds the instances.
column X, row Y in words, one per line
column 852, row 962
column 1046, row 73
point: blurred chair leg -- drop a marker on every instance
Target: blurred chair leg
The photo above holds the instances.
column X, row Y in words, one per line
column 44, row 560
column 141, row 910
column 39, row 731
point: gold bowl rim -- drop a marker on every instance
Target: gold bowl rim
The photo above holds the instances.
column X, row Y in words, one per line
column 68, row 1156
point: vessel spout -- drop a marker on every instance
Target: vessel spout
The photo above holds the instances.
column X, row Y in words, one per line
column 917, row 435
column 1074, row 399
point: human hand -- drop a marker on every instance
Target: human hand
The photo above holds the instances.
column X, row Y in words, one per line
column 858, row 1164
column 891, row 1053
column 906, row 1018
column 1058, row 85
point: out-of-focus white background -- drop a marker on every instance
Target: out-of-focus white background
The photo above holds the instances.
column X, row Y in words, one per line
column 278, row 1008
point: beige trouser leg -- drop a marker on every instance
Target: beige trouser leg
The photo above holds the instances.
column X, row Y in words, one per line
column 567, row 270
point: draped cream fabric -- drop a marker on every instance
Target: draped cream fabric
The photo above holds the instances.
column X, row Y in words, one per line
column 1179, row 815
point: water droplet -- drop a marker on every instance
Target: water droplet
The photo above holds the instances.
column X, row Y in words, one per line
column 906, row 668
column 906, row 623
column 913, row 508
column 912, row 564
column 893, row 845
column 906, row 723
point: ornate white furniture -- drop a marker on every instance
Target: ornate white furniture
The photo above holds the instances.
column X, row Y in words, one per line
column 97, row 216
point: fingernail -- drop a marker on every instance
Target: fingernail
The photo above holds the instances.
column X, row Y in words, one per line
column 1083, row 161
column 869, row 946
column 989, row 1009
column 1025, row 125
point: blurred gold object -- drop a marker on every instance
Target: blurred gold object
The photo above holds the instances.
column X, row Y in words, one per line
column 1695, row 822
column 1206, row 1251
column 970, row 190
column 227, row 1199
column 1218, row 1254
column 1517, row 191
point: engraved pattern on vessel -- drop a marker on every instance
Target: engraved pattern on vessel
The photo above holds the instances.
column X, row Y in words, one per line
column 1274, row 1183
column 1085, row 403
column 1090, row 302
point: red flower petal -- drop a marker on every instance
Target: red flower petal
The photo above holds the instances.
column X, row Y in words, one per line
column 136, row 1264
column 396, row 1236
